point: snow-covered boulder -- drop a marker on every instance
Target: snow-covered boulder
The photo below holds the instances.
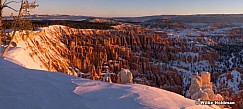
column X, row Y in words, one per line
column 125, row 76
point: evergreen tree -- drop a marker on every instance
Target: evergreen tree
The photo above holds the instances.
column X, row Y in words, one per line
column 23, row 12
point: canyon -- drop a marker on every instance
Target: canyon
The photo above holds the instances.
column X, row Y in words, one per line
column 156, row 53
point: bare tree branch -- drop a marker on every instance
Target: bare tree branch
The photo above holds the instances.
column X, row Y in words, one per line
column 10, row 8
column 24, row 9
column 7, row 3
column 31, row 5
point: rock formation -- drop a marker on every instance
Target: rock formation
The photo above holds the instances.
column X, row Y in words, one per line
column 125, row 76
column 107, row 77
column 202, row 89
column 95, row 52
column 153, row 58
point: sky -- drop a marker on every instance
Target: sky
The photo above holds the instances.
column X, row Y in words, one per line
column 126, row 8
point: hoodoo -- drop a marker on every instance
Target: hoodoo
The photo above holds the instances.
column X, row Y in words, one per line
column 202, row 89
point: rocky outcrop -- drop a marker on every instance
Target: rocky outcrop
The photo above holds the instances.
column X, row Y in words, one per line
column 125, row 76
column 202, row 89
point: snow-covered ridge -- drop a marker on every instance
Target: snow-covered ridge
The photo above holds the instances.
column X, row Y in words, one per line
column 40, row 49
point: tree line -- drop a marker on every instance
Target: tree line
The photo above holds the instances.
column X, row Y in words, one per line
column 34, row 24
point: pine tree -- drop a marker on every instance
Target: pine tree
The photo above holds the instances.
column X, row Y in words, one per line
column 22, row 13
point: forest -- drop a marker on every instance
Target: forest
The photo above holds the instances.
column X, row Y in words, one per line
column 73, row 24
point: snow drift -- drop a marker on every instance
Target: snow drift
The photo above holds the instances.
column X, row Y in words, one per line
column 22, row 88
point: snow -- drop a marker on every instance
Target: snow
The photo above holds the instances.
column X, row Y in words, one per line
column 230, row 60
column 34, row 89
column 231, row 83
column 20, row 55
column 205, row 107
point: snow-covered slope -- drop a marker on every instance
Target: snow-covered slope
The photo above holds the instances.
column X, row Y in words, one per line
column 20, row 55
column 40, row 51
column 22, row 88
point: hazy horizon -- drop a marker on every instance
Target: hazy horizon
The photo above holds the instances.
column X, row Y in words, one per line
column 135, row 16
column 135, row 8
